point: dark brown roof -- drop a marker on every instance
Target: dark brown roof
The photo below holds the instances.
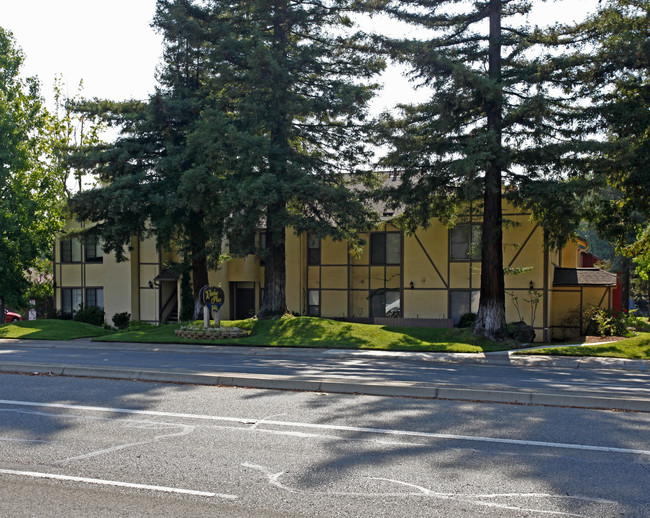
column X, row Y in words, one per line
column 583, row 277
column 166, row 275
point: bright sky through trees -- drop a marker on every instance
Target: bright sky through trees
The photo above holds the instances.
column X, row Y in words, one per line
column 111, row 46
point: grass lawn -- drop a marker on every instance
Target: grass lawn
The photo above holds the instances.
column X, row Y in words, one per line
column 636, row 348
column 323, row 333
column 51, row 330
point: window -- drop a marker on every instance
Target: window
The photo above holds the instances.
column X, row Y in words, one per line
column 385, row 303
column 71, row 300
column 465, row 242
column 385, row 248
column 461, row 302
column 95, row 297
column 71, row 250
column 93, row 250
column 313, row 303
column 313, row 250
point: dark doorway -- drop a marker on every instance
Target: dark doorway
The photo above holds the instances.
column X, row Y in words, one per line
column 242, row 300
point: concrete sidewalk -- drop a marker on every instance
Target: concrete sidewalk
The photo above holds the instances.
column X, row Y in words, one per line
column 345, row 385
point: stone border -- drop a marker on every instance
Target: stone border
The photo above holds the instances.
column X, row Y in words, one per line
column 212, row 334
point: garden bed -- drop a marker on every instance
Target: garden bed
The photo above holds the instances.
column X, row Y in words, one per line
column 212, row 333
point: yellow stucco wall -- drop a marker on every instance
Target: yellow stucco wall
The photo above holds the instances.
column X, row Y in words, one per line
column 345, row 281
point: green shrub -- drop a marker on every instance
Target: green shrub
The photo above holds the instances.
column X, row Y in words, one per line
column 604, row 322
column 121, row 320
column 91, row 315
column 59, row 315
column 467, row 320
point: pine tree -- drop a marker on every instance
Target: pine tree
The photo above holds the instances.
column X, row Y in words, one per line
column 289, row 88
column 150, row 183
column 617, row 80
column 498, row 116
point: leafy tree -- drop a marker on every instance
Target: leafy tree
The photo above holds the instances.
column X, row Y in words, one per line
column 68, row 131
column 30, row 211
column 497, row 116
column 289, row 92
column 618, row 82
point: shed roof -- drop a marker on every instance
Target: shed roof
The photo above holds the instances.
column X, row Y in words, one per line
column 166, row 275
column 583, row 277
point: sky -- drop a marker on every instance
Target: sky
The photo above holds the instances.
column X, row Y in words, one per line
column 111, row 46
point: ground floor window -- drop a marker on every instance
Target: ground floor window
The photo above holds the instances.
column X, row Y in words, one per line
column 95, row 297
column 461, row 302
column 385, row 303
column 313, row 303
column 71, row 300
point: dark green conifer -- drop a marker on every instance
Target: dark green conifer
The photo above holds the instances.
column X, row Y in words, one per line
column 498, row 122
column 289, row 93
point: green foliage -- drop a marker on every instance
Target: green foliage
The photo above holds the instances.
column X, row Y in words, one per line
column 497, row 114
column 187, row 299
column 618, row 79
column 598, row 321
column 121, row 320
column 445, row 145
column 41, row 279
column 30, row 208
column 90, row 315
column 289, row 84
column 467, row 320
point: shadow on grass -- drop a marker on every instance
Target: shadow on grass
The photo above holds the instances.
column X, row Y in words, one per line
column 323, row 333
column 51, row 330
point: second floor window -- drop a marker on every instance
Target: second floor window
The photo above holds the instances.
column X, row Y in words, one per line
column 313, row 250
column 465, row 242
column 71, row 250
column 93, row 250
column 385, row 248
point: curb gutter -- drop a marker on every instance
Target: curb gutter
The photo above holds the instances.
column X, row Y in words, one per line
column 394, row 389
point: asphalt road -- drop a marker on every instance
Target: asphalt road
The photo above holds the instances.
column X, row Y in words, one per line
column 86, row 447
column 498, row 372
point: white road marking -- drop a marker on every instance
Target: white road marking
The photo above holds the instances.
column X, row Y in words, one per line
column 419, row 491
column 186, row 430
column 340, row 428
column 54, row 476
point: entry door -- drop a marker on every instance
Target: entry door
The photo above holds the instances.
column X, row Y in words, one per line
column 244, row 300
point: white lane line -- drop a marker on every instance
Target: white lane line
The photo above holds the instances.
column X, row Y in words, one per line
column 340, row 428
column 54, row 476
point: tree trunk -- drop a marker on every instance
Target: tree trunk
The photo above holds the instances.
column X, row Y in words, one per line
column 200, row 278
column 2, row 311
column 625, row 286
column 274, row 303
column 491, row 318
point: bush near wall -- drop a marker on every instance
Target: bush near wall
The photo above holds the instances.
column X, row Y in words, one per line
column 91, row 315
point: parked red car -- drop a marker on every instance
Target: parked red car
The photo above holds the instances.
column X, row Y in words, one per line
column 10, row 316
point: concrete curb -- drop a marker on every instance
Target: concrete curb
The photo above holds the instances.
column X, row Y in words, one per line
column 392, row 389
column 501, row 358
